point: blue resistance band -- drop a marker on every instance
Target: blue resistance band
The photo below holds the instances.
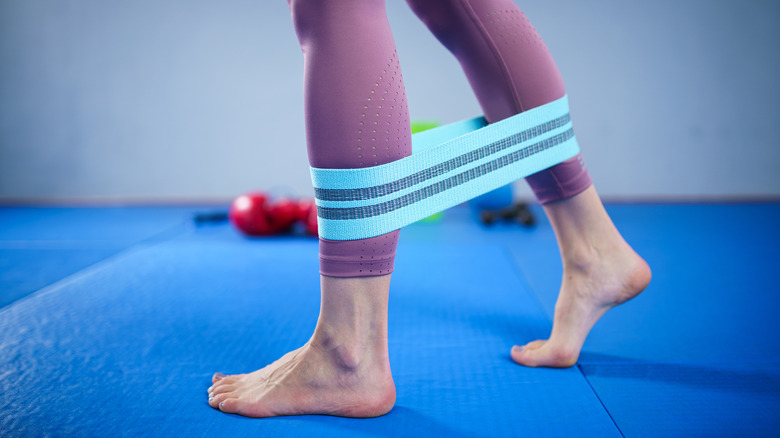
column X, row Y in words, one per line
column 449, row 165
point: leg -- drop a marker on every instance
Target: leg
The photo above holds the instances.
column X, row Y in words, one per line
column 600, row 271
column 343, row 370
column 511, row 70
column 356, row 116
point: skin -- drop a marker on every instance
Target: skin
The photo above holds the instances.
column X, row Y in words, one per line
column 344, row 369
column 600, row 271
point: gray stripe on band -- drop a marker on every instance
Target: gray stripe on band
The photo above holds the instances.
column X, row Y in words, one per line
column 367, row 211
column 365, row 193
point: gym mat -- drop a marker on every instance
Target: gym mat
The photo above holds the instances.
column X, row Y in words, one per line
column 697, row 354
column 64, row 225
column 39, row 246
column 127, row 346
column 688, row 398
column 713, row 296
column 23, row 271
column 124, row 341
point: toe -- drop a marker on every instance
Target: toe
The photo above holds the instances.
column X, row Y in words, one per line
column 236, row 405
column 545, row 356
column 220, row 378
column 522, row 356
column 520, row 353
column 529, row 357
column 535, row 344
column 215, row 400
column 221, row 389
column 230, row 406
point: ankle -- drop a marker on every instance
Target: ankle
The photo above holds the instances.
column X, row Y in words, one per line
column 350, row 349
column 577, row 257
column 353, row 315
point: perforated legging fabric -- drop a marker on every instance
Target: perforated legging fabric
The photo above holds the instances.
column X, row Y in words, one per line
column 355, row 109
column 510, row 70
column 355, row 104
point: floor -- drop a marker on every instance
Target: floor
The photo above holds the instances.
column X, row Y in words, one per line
column 112, row 321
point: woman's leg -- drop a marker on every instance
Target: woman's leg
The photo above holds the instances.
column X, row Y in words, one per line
column 356, row 116
column 511, row 71
column 600, row 271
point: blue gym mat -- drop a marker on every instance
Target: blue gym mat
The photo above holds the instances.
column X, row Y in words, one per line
column 129, row 311
column 39, row 246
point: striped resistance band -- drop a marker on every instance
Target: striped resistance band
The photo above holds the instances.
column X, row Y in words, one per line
column 449, row 165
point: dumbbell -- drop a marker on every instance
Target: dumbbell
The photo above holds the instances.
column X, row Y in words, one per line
column 518, row 212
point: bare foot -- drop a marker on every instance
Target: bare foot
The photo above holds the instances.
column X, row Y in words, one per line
column 343, row 370
column 309, row 380
column 586, row 294
column 600, row 271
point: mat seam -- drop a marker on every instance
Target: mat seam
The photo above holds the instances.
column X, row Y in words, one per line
column 153, row 240
column 681, row 362
column 59, row 244
column 519, row 271
column 579, row 368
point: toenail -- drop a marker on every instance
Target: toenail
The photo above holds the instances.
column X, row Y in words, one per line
column 211, row 398
column 518, row 349
column 222, row 405
column 210, row 388
column 219, row 376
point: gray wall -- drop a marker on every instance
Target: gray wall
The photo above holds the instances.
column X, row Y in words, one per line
column 195, row 99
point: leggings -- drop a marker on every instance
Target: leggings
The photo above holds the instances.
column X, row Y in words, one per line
column 355, row 104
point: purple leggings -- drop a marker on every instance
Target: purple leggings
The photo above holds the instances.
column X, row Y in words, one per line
column 355, row 103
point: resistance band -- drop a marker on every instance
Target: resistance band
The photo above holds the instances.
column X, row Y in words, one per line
column 449, row 165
